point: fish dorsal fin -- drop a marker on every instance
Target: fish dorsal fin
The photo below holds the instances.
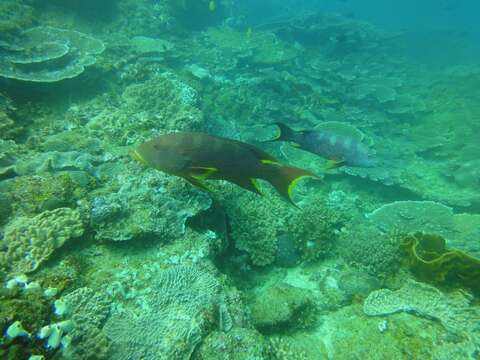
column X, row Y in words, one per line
column 259, row 154
column 342, row 129
column 201, row 172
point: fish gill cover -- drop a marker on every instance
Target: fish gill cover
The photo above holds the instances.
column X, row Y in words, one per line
column 102, row 257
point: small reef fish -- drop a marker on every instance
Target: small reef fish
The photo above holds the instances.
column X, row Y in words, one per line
column 340, row 144
column 197, row 157
column 212, row 5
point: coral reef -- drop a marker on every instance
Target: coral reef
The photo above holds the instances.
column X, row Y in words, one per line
column 37, row 193
column 260, row 48
column 281, row 308
column 8, row 128
column 237, row 344
column 47, row 54
column 318, row 281
column 30, row 241
column 180, row 306
column 14, row 17
column 148, row 206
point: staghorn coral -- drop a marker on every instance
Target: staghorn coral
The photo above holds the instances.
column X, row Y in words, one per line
column 47, row 54
column 30, row 241
column 179, row 306
column 452, row 310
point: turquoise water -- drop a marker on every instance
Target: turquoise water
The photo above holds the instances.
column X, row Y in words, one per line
column 239, row 180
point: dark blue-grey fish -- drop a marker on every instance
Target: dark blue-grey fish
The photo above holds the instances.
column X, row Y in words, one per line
column 338, row 147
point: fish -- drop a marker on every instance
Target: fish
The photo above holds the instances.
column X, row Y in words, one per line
column 197, row 157
column 339, row 143
column 212, row 5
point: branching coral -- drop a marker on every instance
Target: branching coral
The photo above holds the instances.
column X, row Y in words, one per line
column 314, row 229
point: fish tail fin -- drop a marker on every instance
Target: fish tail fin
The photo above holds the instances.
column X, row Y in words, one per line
column 285, row 178
column 285, row 133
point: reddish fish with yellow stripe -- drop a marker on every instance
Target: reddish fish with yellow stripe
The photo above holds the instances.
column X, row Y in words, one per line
column 198, row 157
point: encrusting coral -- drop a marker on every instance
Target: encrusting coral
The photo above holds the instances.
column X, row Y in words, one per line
column 452, row 310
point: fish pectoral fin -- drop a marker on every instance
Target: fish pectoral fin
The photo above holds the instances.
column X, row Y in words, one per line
column 201, row 172
column 333, row 163
column 269, row 162
column 248, row 184
column 197, row 183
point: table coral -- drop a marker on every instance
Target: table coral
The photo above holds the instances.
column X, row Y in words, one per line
column 28, row 242
column 47, row 54
column 412, row 216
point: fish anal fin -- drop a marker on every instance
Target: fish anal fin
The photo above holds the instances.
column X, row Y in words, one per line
column 248, row 184
column 197, row 183
column 333, row 164
column 201, row 172
column 269, row 162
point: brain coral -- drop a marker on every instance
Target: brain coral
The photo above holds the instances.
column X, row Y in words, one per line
column 47, row 54
column 30, row 241
column 88, row 310
column 181, row 302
